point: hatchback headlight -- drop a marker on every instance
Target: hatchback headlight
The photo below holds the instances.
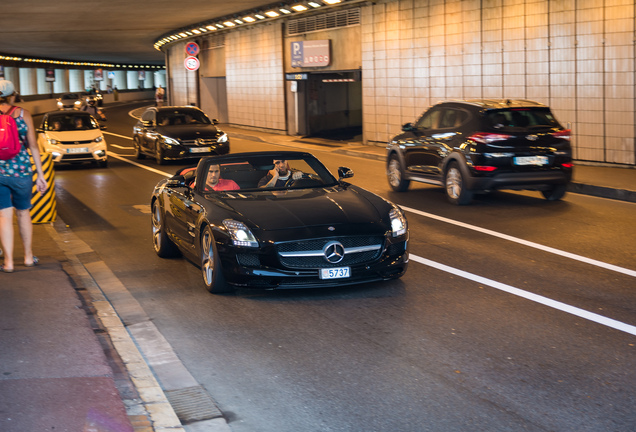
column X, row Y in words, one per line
column 241, row 235
column 52, row 141
column 222, row 138
column 99, row 139
column 398, row 222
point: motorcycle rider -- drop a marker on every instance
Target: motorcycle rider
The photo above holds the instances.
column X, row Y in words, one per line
column 91, row 108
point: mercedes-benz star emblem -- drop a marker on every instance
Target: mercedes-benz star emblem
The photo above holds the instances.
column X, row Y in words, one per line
column 532, row 137
column 334, row 252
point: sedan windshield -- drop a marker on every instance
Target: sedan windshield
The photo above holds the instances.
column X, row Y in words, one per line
column 182, row 117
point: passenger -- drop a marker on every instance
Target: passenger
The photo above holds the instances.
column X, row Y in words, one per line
column 56, row 126
column 216, row 183
column 79, row 123
column 278, row 176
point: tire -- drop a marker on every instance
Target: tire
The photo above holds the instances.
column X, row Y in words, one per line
column 555, row 193
column 455, row 186
column 164, row 247
column 159, row 155
column 211, row 270
column 138, row 154
column 395, row 175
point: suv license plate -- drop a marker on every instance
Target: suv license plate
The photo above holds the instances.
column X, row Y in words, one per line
column 531, row 160
column 335, row 273
column 200, row 150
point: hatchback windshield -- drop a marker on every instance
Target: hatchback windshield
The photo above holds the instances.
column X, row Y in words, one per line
column 70, row 122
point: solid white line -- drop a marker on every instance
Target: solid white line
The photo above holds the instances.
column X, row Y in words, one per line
column 549, row 249
column 581, row 313
column 117, row 135
column 122, row 158
column 121, row 147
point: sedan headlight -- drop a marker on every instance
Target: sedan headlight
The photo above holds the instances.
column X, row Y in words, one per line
column 222, row 138
column 241, row 235
column 398, row 222
column 170, row 141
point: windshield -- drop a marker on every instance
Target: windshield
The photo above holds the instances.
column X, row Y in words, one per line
column 263, row 173
column 70, row 122
column 182, row 117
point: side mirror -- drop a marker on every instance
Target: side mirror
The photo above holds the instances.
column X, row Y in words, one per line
column 344, row 172
column 215, row 121
column 103, row 127
column 39, row 130
column 147, row 123
column 407, row 127
column 176, row 181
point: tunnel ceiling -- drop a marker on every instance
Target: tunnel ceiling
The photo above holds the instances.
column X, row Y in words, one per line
column 113, row 31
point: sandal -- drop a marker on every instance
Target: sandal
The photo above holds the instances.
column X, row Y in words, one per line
column 5, row 270
column 35, row 262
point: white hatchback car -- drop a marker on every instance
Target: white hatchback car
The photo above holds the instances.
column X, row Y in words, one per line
column 72, row 137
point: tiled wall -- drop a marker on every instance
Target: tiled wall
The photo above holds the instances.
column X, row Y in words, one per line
column 575, row 55
column 255, row 80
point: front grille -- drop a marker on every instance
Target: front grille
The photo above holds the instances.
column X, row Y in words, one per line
column 77, row 156
column 76, row 142
column 248, row 260
column 199, row 142
column 314, row 247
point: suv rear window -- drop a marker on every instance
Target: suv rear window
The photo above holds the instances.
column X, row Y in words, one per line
column 521, row 118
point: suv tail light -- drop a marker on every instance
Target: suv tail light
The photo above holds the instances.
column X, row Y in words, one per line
column 563, row 134
column 487, row 138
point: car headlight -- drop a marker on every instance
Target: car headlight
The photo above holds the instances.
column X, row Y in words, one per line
column 398, row 222
column 52, row 141
column 170, row 141
column 241, row 235
column 99, row 139
column 222, row 138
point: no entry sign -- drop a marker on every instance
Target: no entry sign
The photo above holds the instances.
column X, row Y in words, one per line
column 191, row 63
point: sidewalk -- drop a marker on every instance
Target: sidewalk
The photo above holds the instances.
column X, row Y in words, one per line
column 60, row 367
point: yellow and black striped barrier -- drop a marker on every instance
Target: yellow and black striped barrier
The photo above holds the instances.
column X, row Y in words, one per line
column 44, row 207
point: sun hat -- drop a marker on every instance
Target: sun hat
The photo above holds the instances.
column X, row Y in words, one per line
column 6, row 88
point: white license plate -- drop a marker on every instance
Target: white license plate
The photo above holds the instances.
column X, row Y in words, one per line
column 531, row 160
column 335, row 273
column 77, row 150
column 200, row 150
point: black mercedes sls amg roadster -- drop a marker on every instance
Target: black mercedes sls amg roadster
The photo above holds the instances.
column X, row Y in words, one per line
column 302, row 229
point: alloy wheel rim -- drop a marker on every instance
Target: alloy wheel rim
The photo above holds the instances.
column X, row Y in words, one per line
column 453, row 183
column 156, row 227
column 394, row 173
column 207, row 264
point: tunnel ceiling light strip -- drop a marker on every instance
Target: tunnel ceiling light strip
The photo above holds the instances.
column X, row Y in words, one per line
column 228, row 22
column 76, row 63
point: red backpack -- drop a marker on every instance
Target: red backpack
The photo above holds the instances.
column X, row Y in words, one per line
column 9, row 139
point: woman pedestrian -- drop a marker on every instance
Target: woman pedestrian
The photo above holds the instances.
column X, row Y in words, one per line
column 16, row 182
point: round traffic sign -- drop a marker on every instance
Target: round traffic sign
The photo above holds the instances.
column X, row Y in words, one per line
column 192, row 48
column 191, row 63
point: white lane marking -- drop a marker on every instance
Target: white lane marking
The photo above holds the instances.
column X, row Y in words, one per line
column 581, row 313
column 549, row 249
column 122, row 158
column 117, row 135
column 121, row 147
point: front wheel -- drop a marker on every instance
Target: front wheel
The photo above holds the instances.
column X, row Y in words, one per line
column 138, row 154
column 211, row 265
column 555, row 193
column 164, row 247
column 395, row 175
column 159, row 155
column 456, row 191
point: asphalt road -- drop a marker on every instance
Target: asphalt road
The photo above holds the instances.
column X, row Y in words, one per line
column 515, row 314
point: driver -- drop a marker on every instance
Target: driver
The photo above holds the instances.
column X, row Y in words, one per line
column 214, row 181
column 278, row 176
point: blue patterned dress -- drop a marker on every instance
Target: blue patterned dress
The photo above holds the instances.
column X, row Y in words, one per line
column 20, row 165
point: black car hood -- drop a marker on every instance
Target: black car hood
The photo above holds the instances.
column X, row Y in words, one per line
column 189, row 132
column 291, row 209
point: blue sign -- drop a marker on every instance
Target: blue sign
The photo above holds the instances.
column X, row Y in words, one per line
column 297, row 54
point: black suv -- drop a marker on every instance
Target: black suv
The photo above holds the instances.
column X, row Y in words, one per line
column 483, row 145
column 178, row 132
